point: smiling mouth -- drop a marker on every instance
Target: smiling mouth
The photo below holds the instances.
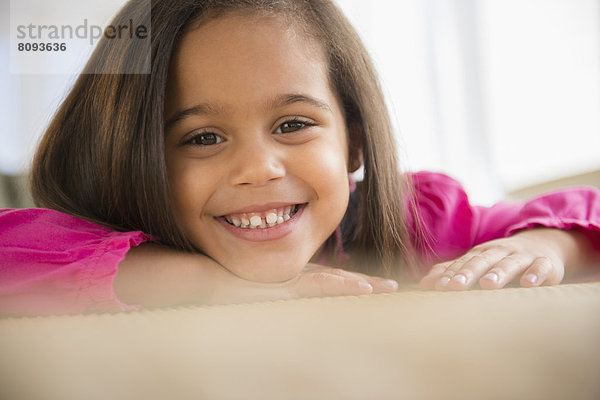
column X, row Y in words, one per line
column 262, row 220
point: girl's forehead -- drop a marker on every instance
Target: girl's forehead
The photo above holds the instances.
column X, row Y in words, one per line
column 245, row 52
column 237, row 26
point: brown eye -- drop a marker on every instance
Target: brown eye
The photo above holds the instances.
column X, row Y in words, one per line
column 205, row 139
column 292, row 126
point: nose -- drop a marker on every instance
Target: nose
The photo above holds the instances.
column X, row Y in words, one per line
column 256, row 163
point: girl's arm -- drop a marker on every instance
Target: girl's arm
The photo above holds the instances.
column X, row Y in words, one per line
column 533, row 257
column 556, row 234
column 152, row 275
column 54, row 263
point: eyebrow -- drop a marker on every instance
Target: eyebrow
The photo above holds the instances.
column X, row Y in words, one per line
column 278, row 101
column 287, row 99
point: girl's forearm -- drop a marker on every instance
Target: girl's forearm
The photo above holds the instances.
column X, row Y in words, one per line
column 157, row 276
column 152, row 275
column 577, row 249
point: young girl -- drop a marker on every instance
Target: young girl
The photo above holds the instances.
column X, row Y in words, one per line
column 222, row 176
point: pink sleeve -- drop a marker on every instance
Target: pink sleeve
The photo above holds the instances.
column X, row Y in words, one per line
column 450, row 225
column 54, row 263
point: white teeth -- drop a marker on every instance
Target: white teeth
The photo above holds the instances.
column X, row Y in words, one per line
column 271, row 218
column 255, row 221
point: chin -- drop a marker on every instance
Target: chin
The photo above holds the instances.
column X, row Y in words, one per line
column 269, row 271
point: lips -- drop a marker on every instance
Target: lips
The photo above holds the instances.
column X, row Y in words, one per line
column 263, row 219
column 267, row 225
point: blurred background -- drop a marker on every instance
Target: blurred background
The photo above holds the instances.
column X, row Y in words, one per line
column 504, row 95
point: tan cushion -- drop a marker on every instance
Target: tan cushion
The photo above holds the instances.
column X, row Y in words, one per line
column 507, row 344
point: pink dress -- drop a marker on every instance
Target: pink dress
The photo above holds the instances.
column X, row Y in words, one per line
column 452, row 225
column 53, row 263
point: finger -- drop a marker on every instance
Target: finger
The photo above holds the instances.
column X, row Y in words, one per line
column 355, row 287
column 429, row 280
column 380, row 285
column 504, row 271
column 442, row 282
column 330, row 284
column 336, row 271
column 540, row 272
column 474, row 268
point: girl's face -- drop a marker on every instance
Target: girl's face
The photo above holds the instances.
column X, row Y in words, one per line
column 256, row 146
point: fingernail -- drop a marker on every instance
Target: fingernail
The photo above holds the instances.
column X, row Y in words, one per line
column 389, row 284
column 492, row 276
column 444, row 281
column 531, row 278
column 460, row 278
column 365, row 286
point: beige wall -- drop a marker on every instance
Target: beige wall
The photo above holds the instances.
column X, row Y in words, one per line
column 587, row 179
column 14, row 192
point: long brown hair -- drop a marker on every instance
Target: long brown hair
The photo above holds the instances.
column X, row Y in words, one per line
column 102, row 157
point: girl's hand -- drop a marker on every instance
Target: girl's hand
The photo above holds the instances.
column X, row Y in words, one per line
column 319, row 280
column 533, row 257
column 152, row 275
column 314, row 281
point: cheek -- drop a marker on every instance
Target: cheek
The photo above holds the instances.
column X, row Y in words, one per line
column 176, row 175
column 331, row 174
column 188, row 192
column 328, row 169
